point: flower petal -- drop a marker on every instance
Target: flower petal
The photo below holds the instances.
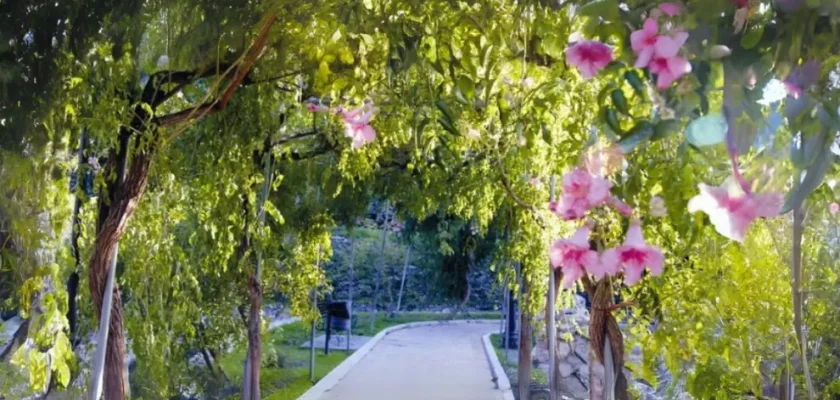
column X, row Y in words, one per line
column 643, row 57
column 632, row 275
column 570, row 275
column 768, row 205
column 655, row 259
column 666, row 46
column 672, row 9
column 610, row 262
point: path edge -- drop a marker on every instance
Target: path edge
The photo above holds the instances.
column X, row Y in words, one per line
column 499, row 374
column 333, row 377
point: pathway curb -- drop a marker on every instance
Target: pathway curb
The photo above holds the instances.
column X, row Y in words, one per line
column 499, row 374
column 328, row 382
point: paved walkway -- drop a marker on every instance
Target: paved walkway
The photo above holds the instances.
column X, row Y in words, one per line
column 442, row 362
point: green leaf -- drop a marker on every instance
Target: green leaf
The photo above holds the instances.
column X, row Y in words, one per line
column 619, row 101
column 751, row 38
column 706, row 131
column 611, row 119
column 601, row 9
column 447, row 126
column 466, row 86
column 632, row 77
column 640, row 133
column 665, row 128
column 447, row 112
column 271, row 210
column 62, row 373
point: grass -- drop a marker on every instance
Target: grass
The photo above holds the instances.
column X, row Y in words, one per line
column 511, row 367
column 285, row 366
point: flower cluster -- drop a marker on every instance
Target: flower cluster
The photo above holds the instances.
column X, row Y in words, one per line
column 356, row 122
column 658, row 51
column 575, row 257
column 583, row 190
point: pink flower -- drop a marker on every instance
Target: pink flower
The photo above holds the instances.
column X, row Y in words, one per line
column 731, row 210
column 535, row 182
column 648, row 44
column 583, row 185
column 357, row 127
column 589, row 57
column 643, row 42
column 802, row 78
column 570, row 207
column 671, row 9
column 312, row 107
column 834, row 208
column 620, row 206
column 581, row 192
column 574, row 257
column 668, row 70
column 633, row 256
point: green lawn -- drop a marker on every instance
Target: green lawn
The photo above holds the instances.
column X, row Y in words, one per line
column 285, row 371
column 511, row 366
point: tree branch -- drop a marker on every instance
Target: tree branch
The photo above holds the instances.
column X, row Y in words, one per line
column 509, row 189
column 207, row 108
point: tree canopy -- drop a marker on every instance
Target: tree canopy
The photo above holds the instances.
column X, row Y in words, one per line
column 218, row 145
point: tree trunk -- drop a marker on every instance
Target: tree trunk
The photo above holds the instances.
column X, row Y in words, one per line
column 73, row 281
column 254, row 343
column 525, row 360
column 112, row 227
column 549, row 326
column 798, row 300
column 251, row 379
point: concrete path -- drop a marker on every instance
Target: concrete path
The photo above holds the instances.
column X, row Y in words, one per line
column 442, row 362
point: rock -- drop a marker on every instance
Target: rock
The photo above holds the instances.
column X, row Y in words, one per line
column 564, row 349
column 582, row 350
column 565, row 369
column 572, row 386
column 540, row 355
column 565, row 328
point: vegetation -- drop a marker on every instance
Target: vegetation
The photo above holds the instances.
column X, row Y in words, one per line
column 682, row 156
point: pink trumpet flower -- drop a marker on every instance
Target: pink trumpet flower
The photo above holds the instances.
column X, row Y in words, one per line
column 589, row 57
column 312, row 107
column 834, row 208
column 620, row 206
column 357, row 125
column 802, row 78
column 671, row 9
column 574, row 257
column 581, row 192
column 648, row 44
column 668, row 70
column 633, row 256
column 731, row 210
